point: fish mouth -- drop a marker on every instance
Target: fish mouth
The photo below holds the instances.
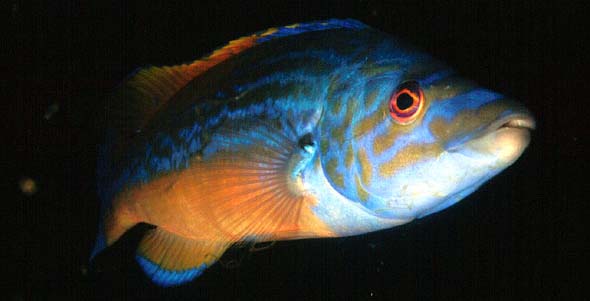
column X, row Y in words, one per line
column 505, row 139
column 514, row 121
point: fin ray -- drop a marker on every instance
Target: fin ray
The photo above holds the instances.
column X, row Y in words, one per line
column 252, row 193
column 169, row 259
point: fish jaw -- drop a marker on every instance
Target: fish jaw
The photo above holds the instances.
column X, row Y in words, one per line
column 460, row 170
column 505, row 139
column 502, row 143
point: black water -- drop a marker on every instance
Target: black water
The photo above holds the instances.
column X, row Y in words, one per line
column 520, row 236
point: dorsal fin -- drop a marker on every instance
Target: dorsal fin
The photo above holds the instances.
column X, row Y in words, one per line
column 148, row 89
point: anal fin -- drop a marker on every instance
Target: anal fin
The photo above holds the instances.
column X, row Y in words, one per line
column 170, row 260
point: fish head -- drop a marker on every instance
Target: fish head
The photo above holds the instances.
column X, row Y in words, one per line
column 410, row 138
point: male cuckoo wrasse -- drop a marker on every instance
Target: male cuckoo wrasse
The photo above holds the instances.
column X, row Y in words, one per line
column 322, row 129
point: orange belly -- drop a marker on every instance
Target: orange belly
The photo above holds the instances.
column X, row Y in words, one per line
column 223, row 201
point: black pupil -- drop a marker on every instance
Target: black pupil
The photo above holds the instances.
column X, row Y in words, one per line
column 404, row 101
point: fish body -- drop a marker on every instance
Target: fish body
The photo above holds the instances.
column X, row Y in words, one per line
column 322, row 129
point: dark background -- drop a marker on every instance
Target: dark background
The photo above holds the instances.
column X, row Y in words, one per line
column 521, row 235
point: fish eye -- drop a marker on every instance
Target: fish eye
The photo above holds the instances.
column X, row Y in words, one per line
column 406, row 102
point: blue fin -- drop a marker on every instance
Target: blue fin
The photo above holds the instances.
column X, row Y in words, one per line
column 171, row 260
column 299, row 28
column 167, row 278
column 100, row 243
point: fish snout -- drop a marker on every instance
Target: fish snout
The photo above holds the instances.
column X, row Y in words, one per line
column 507, row 137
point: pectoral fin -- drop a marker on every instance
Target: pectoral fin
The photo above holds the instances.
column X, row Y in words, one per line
column 251, row 184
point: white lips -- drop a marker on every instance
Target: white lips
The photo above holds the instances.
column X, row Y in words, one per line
column 521, row 122
column 505, row 139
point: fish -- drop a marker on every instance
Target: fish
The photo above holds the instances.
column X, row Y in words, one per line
column 314, row 130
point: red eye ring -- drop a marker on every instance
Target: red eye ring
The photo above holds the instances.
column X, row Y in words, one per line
column 406, row 102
